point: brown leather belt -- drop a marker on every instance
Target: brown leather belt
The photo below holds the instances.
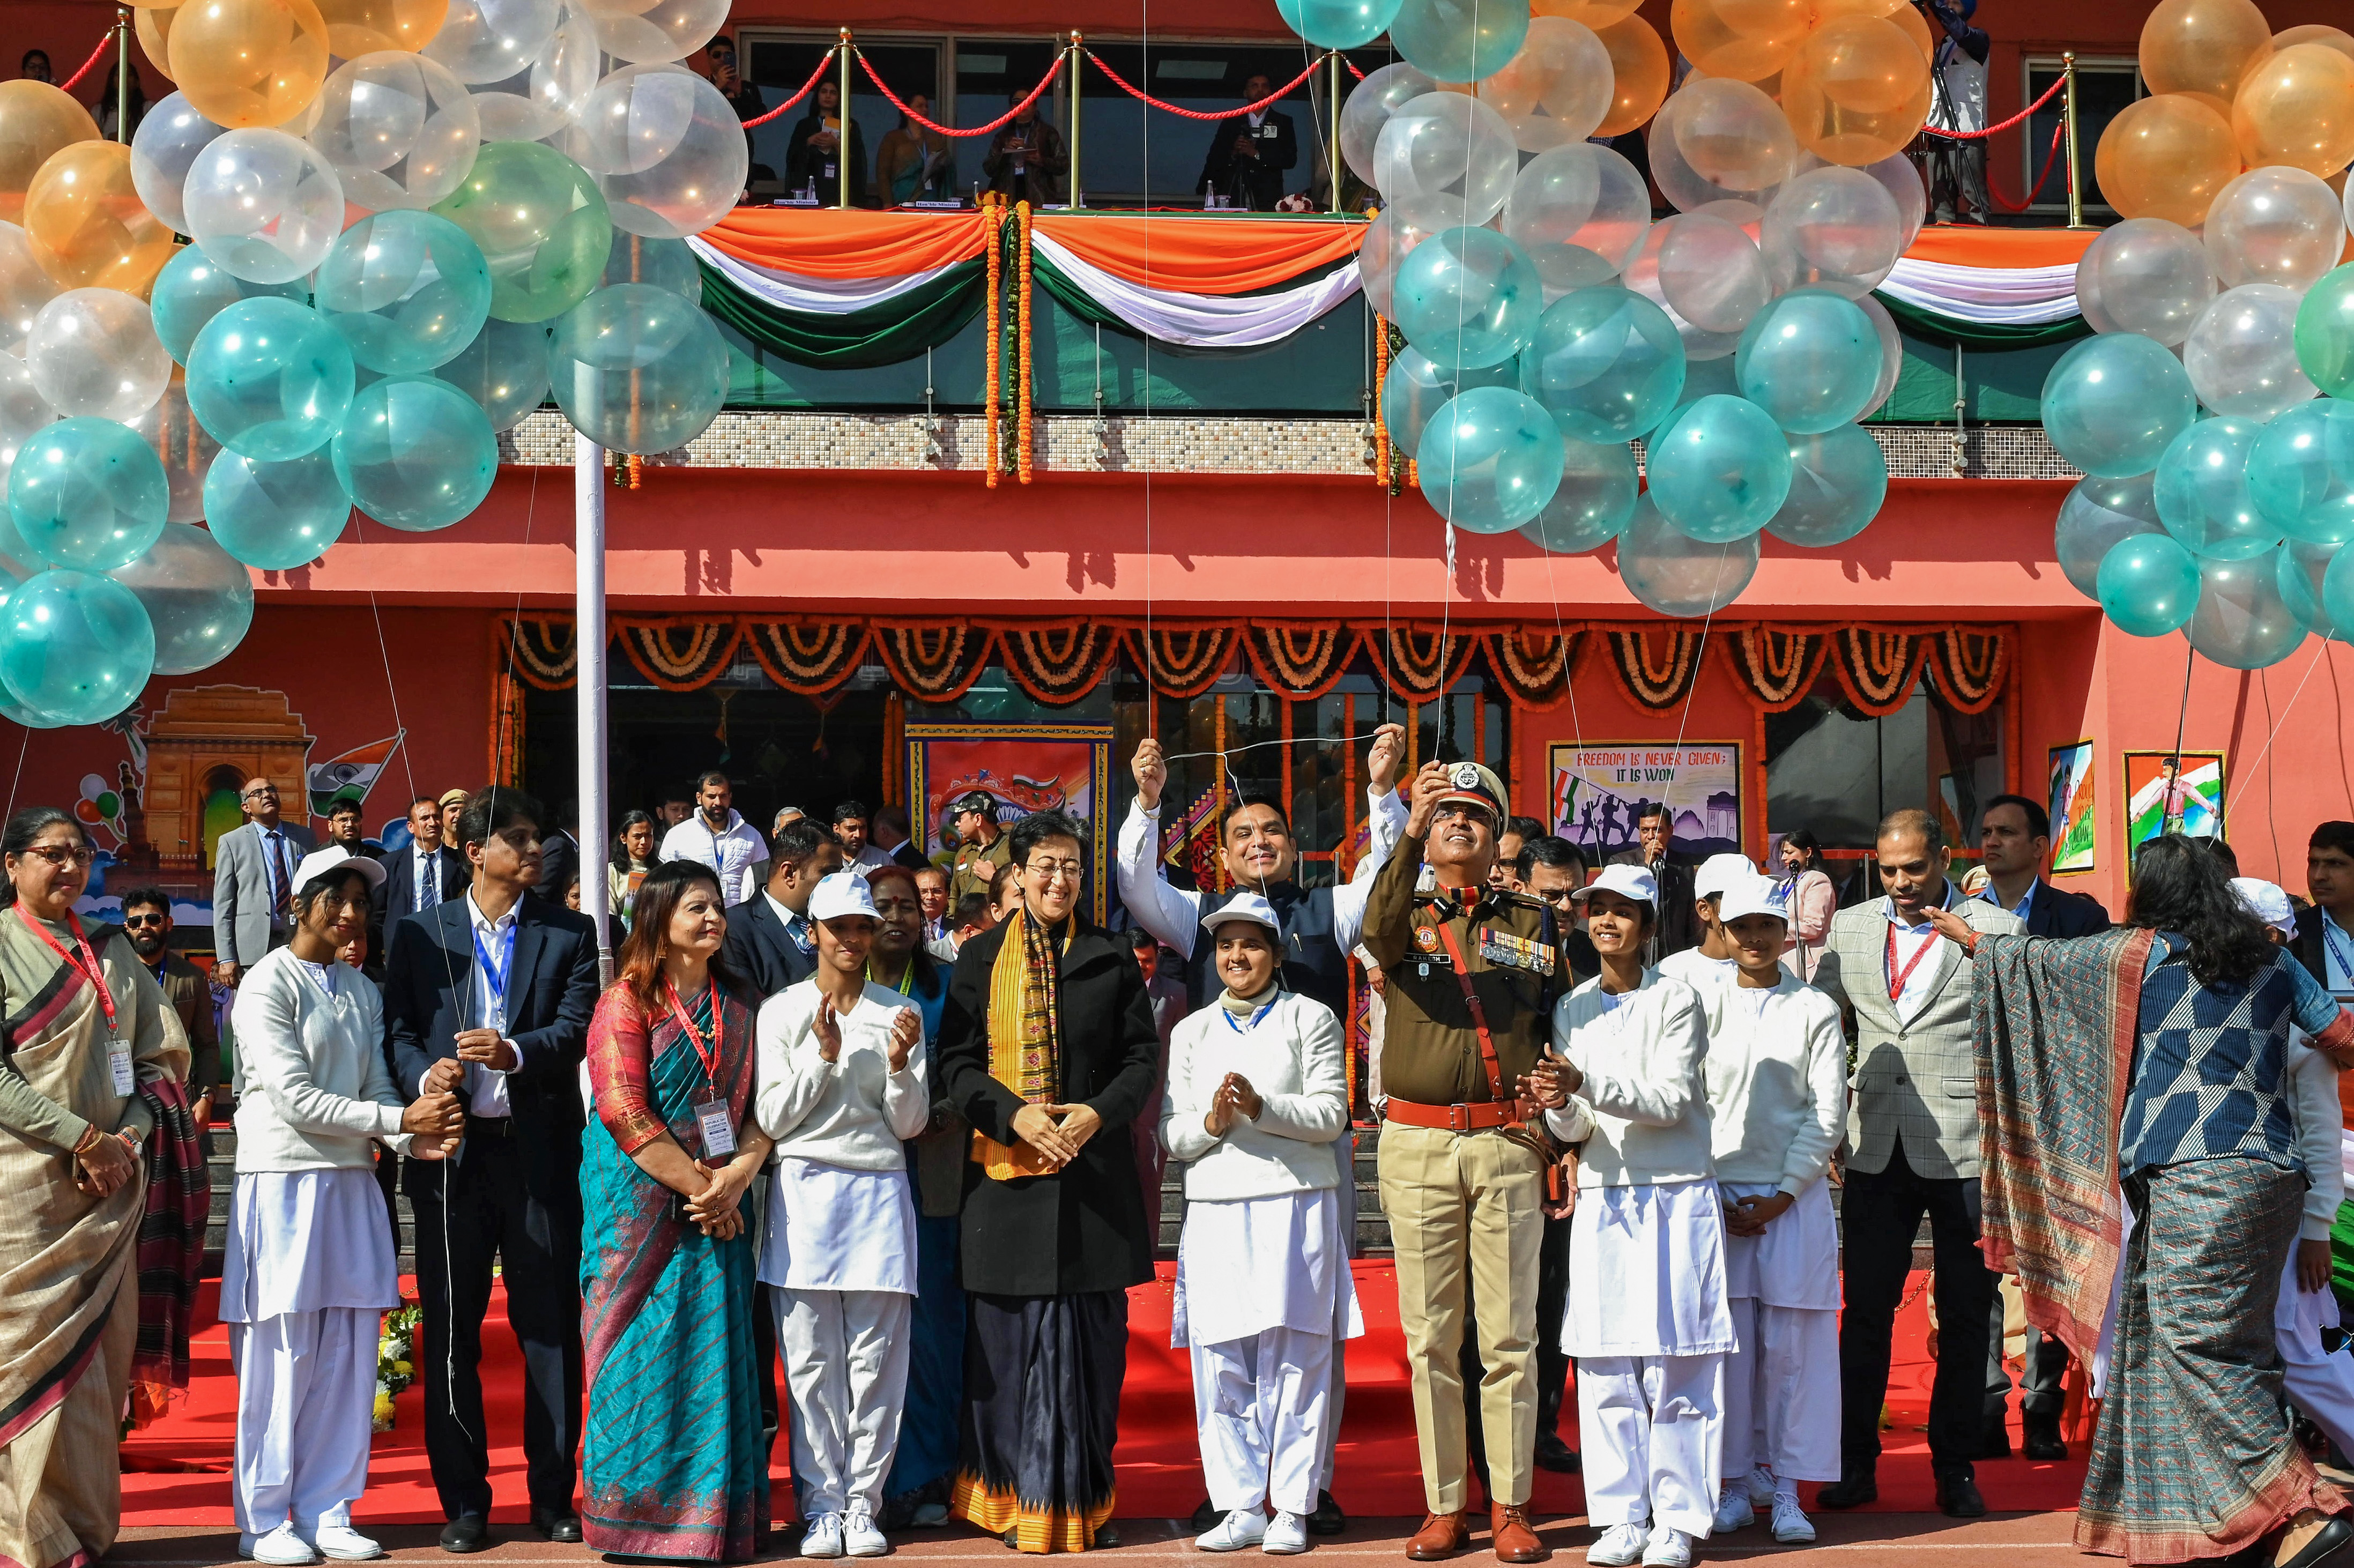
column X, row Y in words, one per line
column 1476, row 1118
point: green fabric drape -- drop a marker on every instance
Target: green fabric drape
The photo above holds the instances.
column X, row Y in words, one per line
column 899, row 329
column 1945, row 331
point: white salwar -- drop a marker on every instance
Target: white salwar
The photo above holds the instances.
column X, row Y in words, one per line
column 1782, row 1387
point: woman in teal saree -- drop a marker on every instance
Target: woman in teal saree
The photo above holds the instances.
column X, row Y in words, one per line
column 675, row 1464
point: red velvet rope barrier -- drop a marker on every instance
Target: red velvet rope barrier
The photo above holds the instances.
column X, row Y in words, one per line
column 2022, row 203
column 1266, row 103
column 1995, row 130
column 824, row 63
column 950, row 130
column 105, row 40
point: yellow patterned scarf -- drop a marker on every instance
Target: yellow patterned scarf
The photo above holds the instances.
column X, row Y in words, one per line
column 1025, row 1046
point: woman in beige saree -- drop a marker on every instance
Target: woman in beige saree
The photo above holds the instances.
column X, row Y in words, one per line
column 83, row 1031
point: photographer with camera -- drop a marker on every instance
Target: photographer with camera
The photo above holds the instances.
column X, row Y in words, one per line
column 1955, row 171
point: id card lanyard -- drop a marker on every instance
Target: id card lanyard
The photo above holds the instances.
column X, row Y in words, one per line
column 1896, row 977
column 118, row 1049
column 718, row 1128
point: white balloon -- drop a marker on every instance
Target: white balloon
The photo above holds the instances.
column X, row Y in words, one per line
column 1387, row 240
column 1670, row 572
column 1581, row 213
column 25, row 288
column 2147, row 276
column 649, row 34
column 485, row 41
column 186, row 448
column 566, row 70
column 2242, row 353
column 1708, row 272
column 1892, row 355
column 1446, row 160
column 1716, row 140
column 94, row 352
column 1368, row 107
column 2274, row 225
column 400, row 129
column 264, row 206
column 23, row 411
column 1642, row 275
column 1833, row 228
column 166, row 143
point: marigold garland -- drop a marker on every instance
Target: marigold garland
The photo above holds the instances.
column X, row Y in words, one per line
column 1381, row 379
column 1022, row 432
column 993, row 366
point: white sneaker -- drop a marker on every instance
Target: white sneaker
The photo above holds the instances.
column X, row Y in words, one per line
column 1620, row 1545
column 1791, row 1525
column 1760, row 1481
column 1669, row 1548
column 1244, row 1527
column 1733, row 1509
column 1287, row 1535
column 823, row 1537
column 344, row 1544
column 283, row 1547
column 860, row 1538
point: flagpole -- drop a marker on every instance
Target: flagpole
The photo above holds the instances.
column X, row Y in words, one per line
column 588, row 690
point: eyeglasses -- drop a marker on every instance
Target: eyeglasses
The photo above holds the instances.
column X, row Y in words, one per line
column 59, row 857
column 258, row 792
column 1463, row 809
column 140, row 922
column 1052, row 871
column 1561, row 897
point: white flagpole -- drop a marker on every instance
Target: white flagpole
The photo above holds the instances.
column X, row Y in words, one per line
column 589, row 688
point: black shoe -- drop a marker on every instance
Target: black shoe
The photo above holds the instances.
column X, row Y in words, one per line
column 1012, row 1539
column 1328, row 1519
column 1107, row 1536
column 563, row 1527
column 1957, row 1498
column 1205, row 1518
column 467, row 1532
column 1856, row 1485
column 1556, row 1456
column 2042, row 1431
column 2333, row 1535
column 1996, row 1444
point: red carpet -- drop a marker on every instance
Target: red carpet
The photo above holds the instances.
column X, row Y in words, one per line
column 186, row 1455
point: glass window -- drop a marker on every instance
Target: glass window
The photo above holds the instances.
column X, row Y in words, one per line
column 2104, row 86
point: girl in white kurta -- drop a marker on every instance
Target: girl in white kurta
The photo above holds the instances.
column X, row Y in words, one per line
column 310, row 1267
column 1647, row 1318
column 1777, row 1074
column 2319, row 1384
column 841, row 1086
column 1256, row 1095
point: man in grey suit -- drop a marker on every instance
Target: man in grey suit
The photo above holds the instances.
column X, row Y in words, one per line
column 1912, row 1148
column 253, row 871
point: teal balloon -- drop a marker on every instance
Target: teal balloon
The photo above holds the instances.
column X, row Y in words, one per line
column 1720, row 470
column 1338, row 24
column 88, row 494
column 269, row 380
column 1810, row 359
column 1593, row 503
column 2303, row 574
column 2338, row 589
column 2201, row 493
column 1838, row 481
column 638, row 369
column 2114, row 401
column 2301, row 471
column 1459, row 40
column 1703, row 378
column 2097, row 515
column 275, row 516
column 2243, row 622
column 2148, row 584
column 505, row 369
column 2324, row 333
column 75, row 647
column 664, row 263
column 1490, row 460
column 407, row 290
column 1605, row 363
column 1468, row 298
column 1670, row 571
column 541, row 224
column 416, row 454
column 1413, row 389
column 197, row 596
column 192, row 290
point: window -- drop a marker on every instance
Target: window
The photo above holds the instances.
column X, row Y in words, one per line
column 2105, row 85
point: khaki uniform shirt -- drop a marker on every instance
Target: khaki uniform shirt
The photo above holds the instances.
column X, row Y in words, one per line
column 1430, row 1046
column 974, row 869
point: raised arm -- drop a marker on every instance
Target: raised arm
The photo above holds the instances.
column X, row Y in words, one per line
column 1385, row 820
column 1168, row 913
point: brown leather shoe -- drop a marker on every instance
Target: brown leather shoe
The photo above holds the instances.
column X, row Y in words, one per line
column 1442, row 1535
column 1515, row 1541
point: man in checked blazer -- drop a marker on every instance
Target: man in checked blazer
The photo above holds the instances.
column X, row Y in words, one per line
column 1912, row 1148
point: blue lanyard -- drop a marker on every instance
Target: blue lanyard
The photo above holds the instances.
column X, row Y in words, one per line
column 1246, row 1028
column 495, row 974
column 2337, row 940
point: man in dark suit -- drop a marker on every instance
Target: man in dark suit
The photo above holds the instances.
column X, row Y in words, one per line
column 425, row 874
column 1249, row 154
column 769, row 937
column 344, row 832
column 2014, row 845
column 489, row 996
column 2325, row 931
column 889, row 834
column 559, row 858
column 1678, row 926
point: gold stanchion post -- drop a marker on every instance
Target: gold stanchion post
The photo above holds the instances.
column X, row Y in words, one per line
column 122, row 73
column 842, row 149
column 2068, row 112
column 1079, row 191
column 1332, row 113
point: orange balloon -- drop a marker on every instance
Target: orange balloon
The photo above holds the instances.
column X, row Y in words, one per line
column 154, row 26
column 250, row 62
column 2297, row 108
column 1595, row 13
column 2337, row 39
column 87, row 226
column 2165, row 157
column 1902, row 12
column 1856, row 90
column 2202, row 45
column 37, row 121
column 356, row 27
column 1639, row 69
column 1743, row 39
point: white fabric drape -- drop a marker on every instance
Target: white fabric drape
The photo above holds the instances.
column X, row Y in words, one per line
column 1203, row 321
column 1986, row 296
column 823, row 296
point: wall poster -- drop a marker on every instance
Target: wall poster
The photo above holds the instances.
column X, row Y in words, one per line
column 1026, row 768
column 1599, row 790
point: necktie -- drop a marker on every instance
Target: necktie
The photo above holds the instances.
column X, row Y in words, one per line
column 798, row 928
column 429, row 881
column 285, row 892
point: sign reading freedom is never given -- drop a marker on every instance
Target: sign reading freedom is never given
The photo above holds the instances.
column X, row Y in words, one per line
column 1599, row 791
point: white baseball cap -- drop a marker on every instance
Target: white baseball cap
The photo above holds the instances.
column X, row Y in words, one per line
column 2267, row 902
column 1758, row 896
column 1634, row 881
column 1250, row 906
column 1720, row 873
column 843, row 894
column 320, row 862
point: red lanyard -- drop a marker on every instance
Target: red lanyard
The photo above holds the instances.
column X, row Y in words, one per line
column 88, row 965
column 1896, row 977
column 710, row 1055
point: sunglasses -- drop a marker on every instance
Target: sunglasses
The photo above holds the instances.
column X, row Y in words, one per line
column 140, row 922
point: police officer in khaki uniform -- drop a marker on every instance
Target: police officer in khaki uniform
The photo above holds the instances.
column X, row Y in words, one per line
column 983, row 846
column 1473, row 976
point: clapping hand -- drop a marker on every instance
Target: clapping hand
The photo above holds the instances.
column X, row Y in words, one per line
column 1551, row 1082
column 906, row 1030
column 1235, row 1100
column 828, row 1028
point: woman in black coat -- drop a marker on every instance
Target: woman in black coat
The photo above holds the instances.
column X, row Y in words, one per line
column 1047, row 1047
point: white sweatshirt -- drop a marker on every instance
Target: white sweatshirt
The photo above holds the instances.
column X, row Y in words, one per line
column 2313, row 1106
column 852, row 1112
column 1642, row 1112
column 1776, row 1082
column 313, row 1087
column 1292, row 1056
